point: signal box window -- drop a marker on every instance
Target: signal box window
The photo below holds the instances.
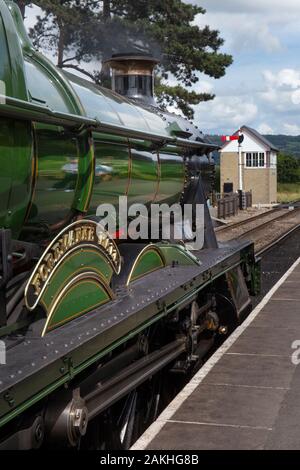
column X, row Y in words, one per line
column 255, row 160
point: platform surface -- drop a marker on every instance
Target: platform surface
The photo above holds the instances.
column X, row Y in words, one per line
column 247, row 395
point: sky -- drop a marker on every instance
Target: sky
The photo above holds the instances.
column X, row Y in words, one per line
column 261, row 88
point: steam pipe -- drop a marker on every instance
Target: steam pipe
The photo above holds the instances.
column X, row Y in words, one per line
column 19, row 109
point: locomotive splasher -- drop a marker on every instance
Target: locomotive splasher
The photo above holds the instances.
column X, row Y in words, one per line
column 77, row 308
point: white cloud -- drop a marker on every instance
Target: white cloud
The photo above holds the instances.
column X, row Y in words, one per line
column 272, row 109
column 203, row 87
column 264, row 128
column 250, row 33
column 262, row 87
column 282, row 89
column 226, row 113
column 289, row 78
column 241, row 31
column 31, row 14
column 249, row 6
column 291, row 129
column 295, row 97
column 266, row 38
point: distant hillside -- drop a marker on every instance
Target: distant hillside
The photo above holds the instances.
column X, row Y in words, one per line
column 286, row 143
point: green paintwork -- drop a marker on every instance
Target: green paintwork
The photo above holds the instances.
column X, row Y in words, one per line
column 177, row 254
column 12, row 62
column 158, row 256
column 80, row 261
column 16, row 157
column 106, row 106
column 148, row 262
column 112, row 171
column 144, row 175
column 75, row 121
column 57, row 170
column 172, row 175
column 81, row 297
column 86, row 173
column 81, row 251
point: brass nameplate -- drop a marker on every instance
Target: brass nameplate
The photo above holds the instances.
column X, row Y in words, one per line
column 83, row 233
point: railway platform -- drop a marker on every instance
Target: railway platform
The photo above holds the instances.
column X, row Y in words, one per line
column 247, row 395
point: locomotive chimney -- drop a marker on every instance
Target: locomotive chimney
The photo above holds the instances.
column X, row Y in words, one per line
column 133, row 76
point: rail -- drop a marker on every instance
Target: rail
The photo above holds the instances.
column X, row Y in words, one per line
column 228, row 228
column 264, row 235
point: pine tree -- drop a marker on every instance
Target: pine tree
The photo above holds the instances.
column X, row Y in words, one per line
column 80, row 31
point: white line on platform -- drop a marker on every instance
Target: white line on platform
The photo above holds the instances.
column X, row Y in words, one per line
column 169, row 412
column 259, row 387
column 257, row 354
column 280, row 299
column 220, row 425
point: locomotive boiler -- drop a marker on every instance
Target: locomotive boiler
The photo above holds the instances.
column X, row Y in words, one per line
column 87, row 321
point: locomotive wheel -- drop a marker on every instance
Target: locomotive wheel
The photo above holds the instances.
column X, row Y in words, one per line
column 120, row 426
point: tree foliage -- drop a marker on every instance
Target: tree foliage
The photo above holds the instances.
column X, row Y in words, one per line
column 81, row 31
column 288, row 169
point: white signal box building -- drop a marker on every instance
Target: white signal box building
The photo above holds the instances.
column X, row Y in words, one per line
column 258, row 166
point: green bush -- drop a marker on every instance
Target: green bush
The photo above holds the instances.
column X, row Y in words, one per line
column 288, row 169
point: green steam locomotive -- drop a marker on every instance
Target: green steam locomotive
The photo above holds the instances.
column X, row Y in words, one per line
column 88, row 320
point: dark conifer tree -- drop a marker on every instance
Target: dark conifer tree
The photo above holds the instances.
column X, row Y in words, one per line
column 80, row 31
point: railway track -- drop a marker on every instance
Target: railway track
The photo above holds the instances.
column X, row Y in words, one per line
column 264, row 230
column 270, row 214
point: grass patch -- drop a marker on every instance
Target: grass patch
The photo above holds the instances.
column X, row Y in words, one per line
column 288, row 192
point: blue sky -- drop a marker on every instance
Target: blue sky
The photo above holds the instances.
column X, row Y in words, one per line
column 262, row 87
